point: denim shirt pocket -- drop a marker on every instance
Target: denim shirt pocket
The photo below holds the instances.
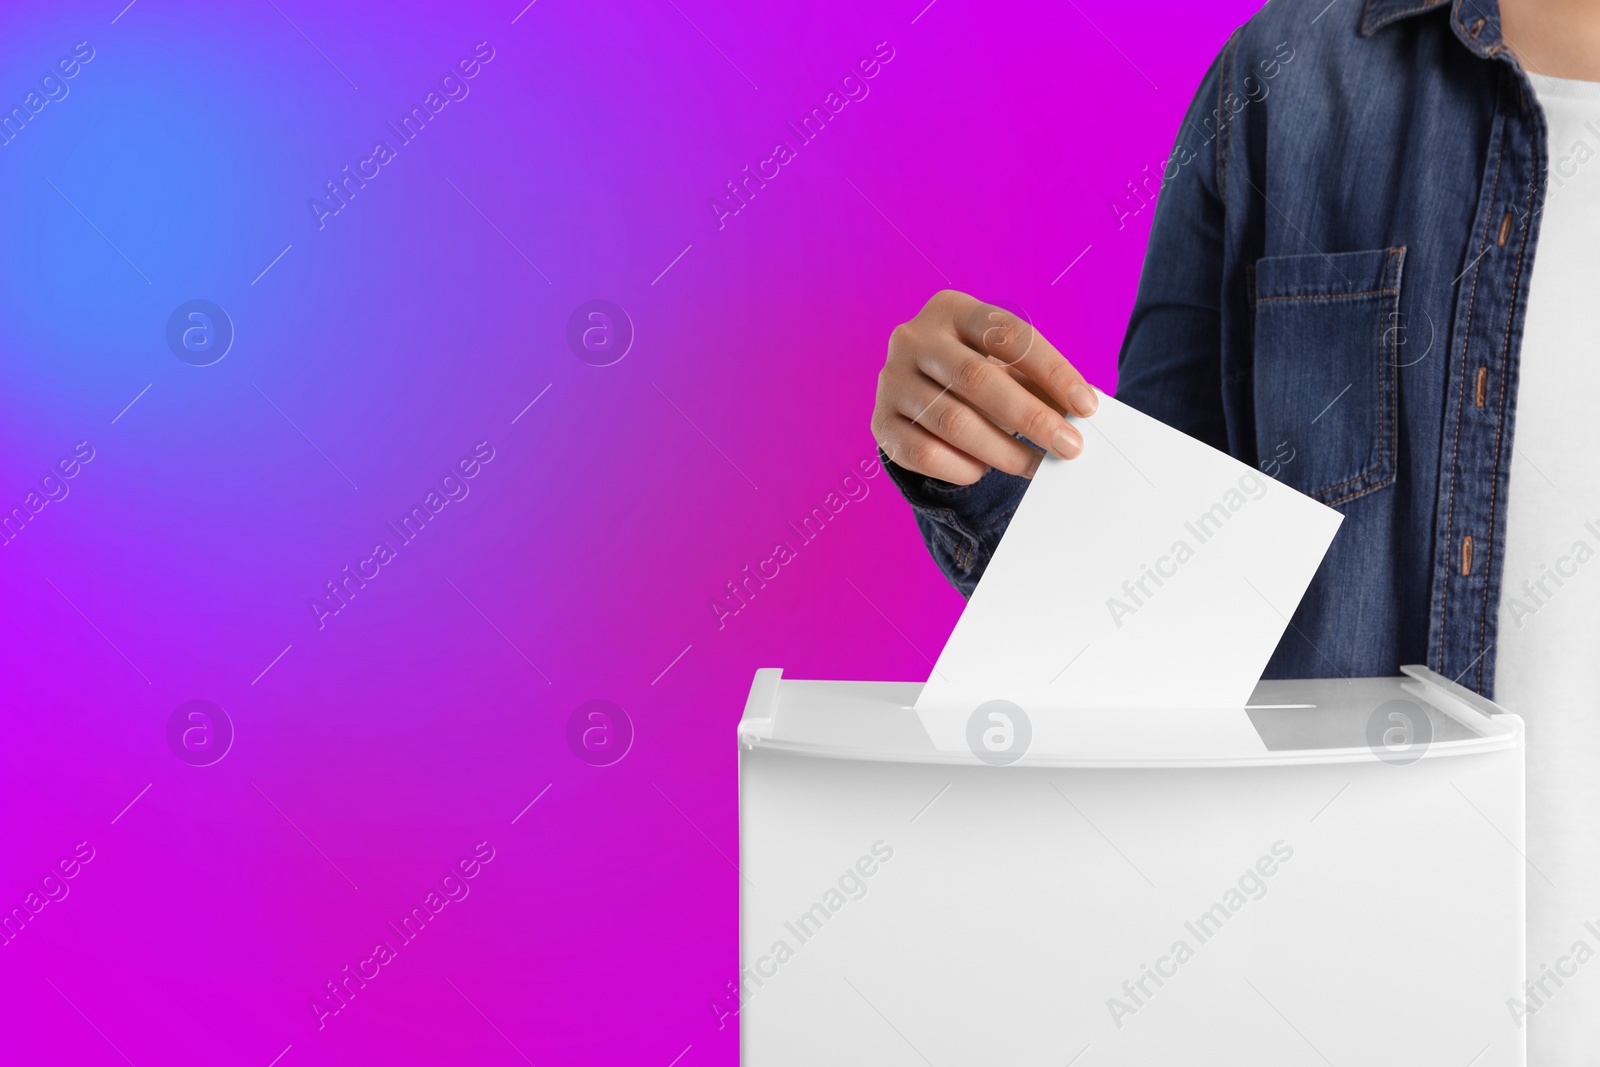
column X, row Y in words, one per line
column 1326, row 330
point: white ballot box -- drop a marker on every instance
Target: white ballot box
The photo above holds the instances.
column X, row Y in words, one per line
column 1332, row 874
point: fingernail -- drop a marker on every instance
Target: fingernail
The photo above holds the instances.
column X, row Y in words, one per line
column 1066, row 443
column 1033, row 467
column 1083, row 399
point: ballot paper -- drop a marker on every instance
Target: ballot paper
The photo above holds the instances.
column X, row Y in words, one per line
column 1153, row 571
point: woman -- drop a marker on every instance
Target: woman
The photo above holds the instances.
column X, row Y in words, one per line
column 1342, row 287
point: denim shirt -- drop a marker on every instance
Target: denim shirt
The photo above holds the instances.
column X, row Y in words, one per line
column 1334, row 291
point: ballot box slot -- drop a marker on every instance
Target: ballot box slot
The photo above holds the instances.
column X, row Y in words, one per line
column 1300, row 721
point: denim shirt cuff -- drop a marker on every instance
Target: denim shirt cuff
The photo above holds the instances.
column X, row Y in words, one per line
column 962, row 524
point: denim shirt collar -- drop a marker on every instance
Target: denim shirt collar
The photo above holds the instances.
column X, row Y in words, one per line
column 1476, row 22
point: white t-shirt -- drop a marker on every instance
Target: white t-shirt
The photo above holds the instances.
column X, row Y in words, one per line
column 1548, row 649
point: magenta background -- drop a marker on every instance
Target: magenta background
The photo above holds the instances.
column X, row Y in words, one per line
column 408, row 730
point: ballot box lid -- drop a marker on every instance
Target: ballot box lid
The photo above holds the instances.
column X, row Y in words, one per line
column 1418, row 715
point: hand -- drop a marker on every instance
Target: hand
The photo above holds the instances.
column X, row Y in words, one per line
column 961, row 379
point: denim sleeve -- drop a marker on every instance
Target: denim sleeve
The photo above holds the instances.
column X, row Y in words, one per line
column 961, row 524
column 1170, row 366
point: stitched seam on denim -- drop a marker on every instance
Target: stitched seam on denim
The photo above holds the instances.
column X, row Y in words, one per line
column 1330, row 296
column 1388, row 415
column 950, row 531
column 1389, row 442
column 1351, row 481
column 1396, row 16
column 1223, row 87
column 1001, row 522
column 1499, row 434
column 947, row 489
column 1363, row 491
column 1466, row 340
column 958, row 545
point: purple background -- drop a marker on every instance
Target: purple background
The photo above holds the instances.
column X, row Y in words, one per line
column 375, row 752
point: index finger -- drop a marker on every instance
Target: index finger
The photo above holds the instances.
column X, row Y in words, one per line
column 1018, row 344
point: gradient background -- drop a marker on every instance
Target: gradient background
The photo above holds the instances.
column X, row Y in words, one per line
column 378, row 750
